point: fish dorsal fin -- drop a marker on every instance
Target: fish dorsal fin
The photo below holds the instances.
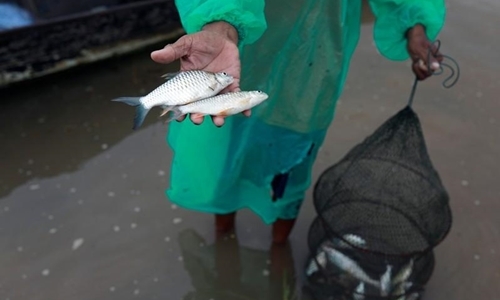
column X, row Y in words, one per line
column 168, row 76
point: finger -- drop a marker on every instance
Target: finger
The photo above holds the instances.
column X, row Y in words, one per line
column 436, row 53
column 421, row 74
column 434, row 63
column 218, row 120
column 428, row 58
column 421, row 65
column 247, row 113
column 197, row 118
column 439, row 57
column 173, row 52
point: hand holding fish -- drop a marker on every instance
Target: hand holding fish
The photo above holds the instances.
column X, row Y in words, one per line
column 418, row 48
column 213, row 49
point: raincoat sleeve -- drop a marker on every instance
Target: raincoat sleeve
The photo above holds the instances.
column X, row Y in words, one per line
column 247, row 16
column 394, row 17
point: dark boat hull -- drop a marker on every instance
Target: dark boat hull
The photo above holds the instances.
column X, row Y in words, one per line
column 61, row 43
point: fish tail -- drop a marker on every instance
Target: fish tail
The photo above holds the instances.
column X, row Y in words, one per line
column 312, row 268
column 140, row 115
column 175, row 113
column 132, row 101
column 140, row 111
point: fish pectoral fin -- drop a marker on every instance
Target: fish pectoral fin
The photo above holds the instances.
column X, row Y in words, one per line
column 165, row 111
column 244, row 101
column 176, row 113
column 225, row 113
column 235, row 107
column 168, row 76
column 213, row 86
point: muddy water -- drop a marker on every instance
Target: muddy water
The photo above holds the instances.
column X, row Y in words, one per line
column 82, row 208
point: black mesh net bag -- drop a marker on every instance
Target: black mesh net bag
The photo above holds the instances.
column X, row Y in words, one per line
column 381, row 211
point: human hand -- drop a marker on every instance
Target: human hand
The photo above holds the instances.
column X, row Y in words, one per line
column 418, row 47
column 213, row 49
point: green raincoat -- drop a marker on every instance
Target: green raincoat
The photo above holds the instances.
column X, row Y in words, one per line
column 297, row 51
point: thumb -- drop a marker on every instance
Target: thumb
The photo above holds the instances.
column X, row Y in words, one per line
column 172, row 52
column 435, row 59
column 428, row 53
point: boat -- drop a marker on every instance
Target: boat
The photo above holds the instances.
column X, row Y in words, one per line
column 53, row 35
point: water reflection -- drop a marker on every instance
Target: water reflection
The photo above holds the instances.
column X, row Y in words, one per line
column 227, row 270
column 55, row 124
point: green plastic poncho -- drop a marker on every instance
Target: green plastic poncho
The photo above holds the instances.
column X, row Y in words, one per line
column 298, row 51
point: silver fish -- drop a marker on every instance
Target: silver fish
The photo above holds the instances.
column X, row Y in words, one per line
column 413, row 296
column 401, row 290
column 221, row 105
column 404, row 273
column 385, row 282
column 348, row 265
column 353, row 239
column 179, row 89
column 359, row 292
column 313, row 266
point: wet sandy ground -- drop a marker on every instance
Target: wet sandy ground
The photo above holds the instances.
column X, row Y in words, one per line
column 82, row 208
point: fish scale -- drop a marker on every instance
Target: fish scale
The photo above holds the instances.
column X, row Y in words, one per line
column 215, row 104
column 184, row 88
column 221, row 105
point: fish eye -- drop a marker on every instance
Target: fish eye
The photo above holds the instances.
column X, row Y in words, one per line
column 224, row 73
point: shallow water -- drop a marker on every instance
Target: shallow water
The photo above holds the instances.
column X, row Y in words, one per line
column 82, row 208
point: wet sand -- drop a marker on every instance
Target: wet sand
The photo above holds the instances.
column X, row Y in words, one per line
column 82, row 208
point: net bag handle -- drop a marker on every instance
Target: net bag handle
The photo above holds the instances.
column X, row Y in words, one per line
column 449, row 82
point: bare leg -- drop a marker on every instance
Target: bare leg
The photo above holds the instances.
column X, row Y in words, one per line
column 281, row 230
column 224, row 223
column 283, row 227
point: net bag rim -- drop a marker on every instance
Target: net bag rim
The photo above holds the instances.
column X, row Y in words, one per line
column 405, row 110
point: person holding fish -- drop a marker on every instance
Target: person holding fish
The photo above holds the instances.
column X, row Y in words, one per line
column 298, row 52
